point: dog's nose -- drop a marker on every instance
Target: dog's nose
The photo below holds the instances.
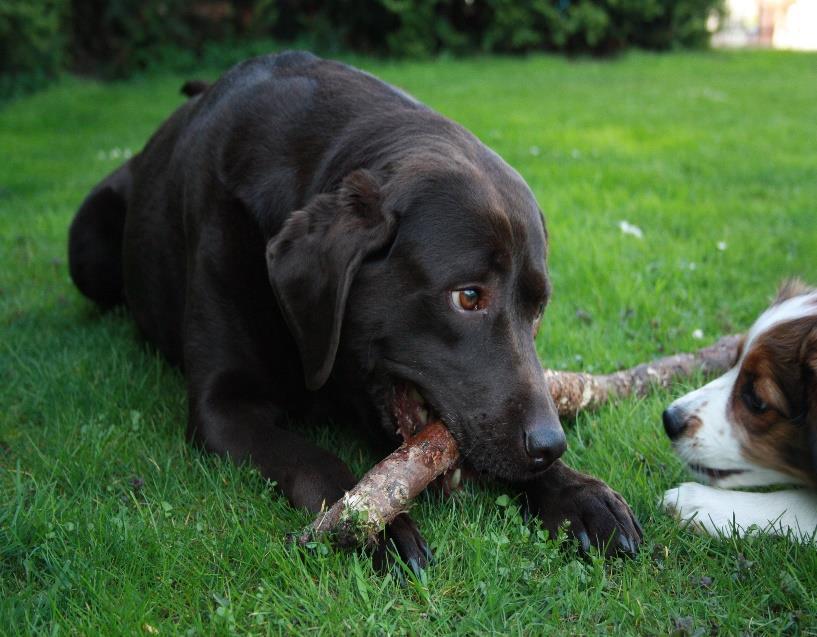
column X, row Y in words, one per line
column 545, row 444
column 675, row 422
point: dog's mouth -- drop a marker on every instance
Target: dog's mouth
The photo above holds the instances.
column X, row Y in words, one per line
column 411, row 413
column 713, row 474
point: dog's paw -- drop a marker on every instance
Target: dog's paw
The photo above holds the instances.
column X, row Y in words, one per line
column 403, row 539
column 596, row 516
column 703, row 509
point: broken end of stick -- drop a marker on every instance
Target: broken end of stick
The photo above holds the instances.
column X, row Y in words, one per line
column 386, row 490
column 350, row 523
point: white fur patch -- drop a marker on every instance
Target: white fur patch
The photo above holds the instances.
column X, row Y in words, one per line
column 722, row 512
column 788, row 310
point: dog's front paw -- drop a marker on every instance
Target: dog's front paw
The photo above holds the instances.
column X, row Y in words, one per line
column 700, row 507
column 403, row 538
column 597, row 515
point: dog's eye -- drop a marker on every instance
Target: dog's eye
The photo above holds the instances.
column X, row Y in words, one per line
column 753, row 401
column 467, row 299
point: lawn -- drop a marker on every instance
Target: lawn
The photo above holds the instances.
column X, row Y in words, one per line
column 111, row 524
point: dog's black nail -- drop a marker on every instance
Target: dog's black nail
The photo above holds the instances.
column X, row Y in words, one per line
column 414, row 564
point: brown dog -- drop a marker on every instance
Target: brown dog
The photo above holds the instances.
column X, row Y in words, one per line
column 306, row 240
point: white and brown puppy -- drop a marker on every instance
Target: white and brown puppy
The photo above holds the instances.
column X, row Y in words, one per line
column 754, row 426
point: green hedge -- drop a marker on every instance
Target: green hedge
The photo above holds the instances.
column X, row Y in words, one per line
column 115, row 38
column 32, row 43
column 426, row 27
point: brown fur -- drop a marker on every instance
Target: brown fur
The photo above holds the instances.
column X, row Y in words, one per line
column 693, row 424
column 780, row 369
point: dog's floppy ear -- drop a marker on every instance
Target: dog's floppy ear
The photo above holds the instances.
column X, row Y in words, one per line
column 312, row 261
column 789, row 288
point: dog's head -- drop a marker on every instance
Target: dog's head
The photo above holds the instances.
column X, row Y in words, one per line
column 757, row 424
column 423, row 292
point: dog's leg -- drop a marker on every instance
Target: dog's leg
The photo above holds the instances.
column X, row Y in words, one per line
column 237, row 363
column 723, row 512
column 596, row 514
column 229, row 420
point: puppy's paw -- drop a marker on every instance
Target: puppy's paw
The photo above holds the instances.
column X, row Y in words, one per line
column 704, row 509
column 597, row 515
column 402, row 539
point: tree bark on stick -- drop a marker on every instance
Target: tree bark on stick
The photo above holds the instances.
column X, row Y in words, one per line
column 390, row 486
column 577, row 391
column 387, row 489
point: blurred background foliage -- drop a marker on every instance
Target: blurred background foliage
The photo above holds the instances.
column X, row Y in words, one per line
column 117, row 38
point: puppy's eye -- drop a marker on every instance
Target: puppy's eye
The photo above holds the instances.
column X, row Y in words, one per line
column 467, row 299
column 753, row 401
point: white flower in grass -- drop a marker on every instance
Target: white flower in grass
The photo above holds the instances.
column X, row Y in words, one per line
column 697, row 334
column 721, row 245
column 114, row 153
column 628, row 228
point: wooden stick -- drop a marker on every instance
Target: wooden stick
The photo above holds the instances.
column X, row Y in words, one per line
column 390, row 486
column 576, row 391
column 387, row 489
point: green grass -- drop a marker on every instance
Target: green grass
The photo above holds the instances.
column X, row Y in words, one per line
column 111, row 524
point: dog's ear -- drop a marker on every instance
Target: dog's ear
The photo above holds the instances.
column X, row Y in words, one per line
column 312, row 261
column 789, row 288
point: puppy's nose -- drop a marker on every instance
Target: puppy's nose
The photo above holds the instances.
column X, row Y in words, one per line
column 675, row 422
column 545, row 443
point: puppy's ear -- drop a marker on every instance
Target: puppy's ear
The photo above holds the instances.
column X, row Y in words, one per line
column 789, row 288
column 312, row 261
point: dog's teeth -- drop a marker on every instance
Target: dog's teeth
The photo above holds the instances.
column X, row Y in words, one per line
column 423, row 414
column 454, row 480
column 415, row 395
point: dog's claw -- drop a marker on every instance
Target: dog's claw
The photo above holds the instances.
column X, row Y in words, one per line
column 625, row 544
column 639, row 529
column 415, row 567
column 584, row 539
column 402, row 542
